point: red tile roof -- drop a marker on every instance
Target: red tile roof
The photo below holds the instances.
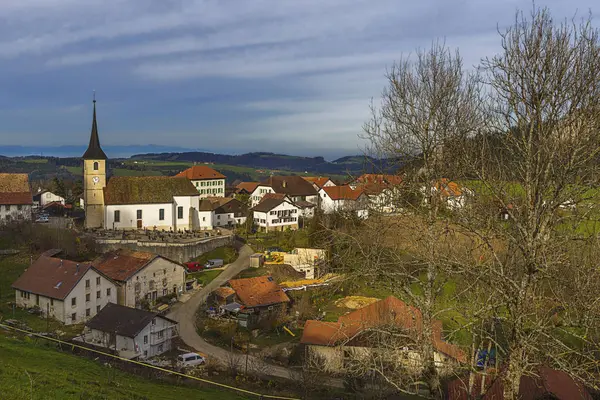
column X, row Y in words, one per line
column 320, row 181
column 383, row 312
column 223, row 292
column 277, row 196
column 51, row 277
column 14, row 189
column 258, row 291
column 122, row 264
column 379, row 178
column 549, row 381
column 198, row 172
column 247, row 186
column 343, row 192
column 448, row 188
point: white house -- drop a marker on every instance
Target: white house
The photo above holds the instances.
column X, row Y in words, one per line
column 15, row 197
column 43, row 197
column 151, row 202
column 65, row 290
column 319, row 182
column 304, row 260
column 381, row 190
column 450, row 193
column 215, row 212
column 132, row 333
column 295, row 187
column 344, row 199
column 141, row 276
column 275, row 214
column 207, row 181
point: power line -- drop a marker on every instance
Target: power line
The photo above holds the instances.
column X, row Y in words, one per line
column 73, row 345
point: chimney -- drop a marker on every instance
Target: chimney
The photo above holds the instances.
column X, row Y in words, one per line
column 77, row 269
column 61, row 263
column 284, row 184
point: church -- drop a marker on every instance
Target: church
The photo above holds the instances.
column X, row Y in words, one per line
column 123, row 203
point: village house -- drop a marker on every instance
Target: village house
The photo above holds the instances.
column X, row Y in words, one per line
column 65, row 290
column 151, row 202
column 246, row 187
column 319, row 182
column 275, row 213
column 44, row 197
column 207, row 181
column 450, row 193
column 305, row 260
column 381, row 190
column 15, row 197
column 261, row 298
column 295, row 187
column 337, row 343
column 227, row 212
column 342, row 199
column 141, row 277
column 130, row 332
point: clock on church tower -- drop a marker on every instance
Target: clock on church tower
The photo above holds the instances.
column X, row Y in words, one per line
column 94, row 179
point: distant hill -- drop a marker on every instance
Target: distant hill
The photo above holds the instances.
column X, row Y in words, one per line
column 317, row 165
column 77, row 151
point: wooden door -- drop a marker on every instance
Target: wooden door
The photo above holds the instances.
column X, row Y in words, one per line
column 139, row 224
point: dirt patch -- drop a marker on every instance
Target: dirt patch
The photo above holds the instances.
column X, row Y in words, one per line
column 355, row 302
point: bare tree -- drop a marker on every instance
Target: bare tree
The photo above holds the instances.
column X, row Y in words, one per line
column 536, row 161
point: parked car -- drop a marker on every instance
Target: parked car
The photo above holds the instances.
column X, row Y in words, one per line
column 214, row 263
column 42, row 219
column 190, row 360
column 194, row 266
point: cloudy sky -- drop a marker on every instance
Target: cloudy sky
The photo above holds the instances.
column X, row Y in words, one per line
column 232, row 76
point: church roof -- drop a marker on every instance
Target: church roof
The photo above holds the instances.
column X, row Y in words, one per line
column 94, row 151
column 146, row 189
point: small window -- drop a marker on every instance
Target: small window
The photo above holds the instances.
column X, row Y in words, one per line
column 98, row 294
column 145, row 339
column 161, row 214
column 97, row 309
column 117, row 216
column 160, row 334
column 19, row 207
column 139, row 214
column 154, row 321
column 160, row 348
column 180, row 212
column 87, row 312
column 87, row 283
column 73, row 317
column 87, row 298
column 73, row 301
column 97, row 280
column 95, row 165
column 196, row 184
column 7, row 208
column 203, row 219
column 51, row 302
column 108, row 292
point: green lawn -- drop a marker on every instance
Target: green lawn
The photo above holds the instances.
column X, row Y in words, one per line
column 205, row 277
column 36, row 371
column 77, row 171
column 227, row 253
column 133, row 172
column 36, row 160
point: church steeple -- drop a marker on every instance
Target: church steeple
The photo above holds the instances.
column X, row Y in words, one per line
column 94, row 151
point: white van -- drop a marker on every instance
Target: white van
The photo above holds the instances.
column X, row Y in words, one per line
column 190, row 360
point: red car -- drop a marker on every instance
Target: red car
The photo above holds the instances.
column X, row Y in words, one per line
column 194, row 266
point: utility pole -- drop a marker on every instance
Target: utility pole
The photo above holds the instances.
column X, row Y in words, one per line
column 47, row 317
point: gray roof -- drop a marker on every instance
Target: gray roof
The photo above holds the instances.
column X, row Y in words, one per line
column 94, row 151
column 124, row 321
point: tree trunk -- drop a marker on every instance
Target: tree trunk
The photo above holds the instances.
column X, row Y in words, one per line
column 512, row 380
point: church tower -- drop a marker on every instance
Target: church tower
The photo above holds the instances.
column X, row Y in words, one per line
column 94, row 179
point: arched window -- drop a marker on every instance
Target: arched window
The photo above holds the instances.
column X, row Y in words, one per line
column 95, row 165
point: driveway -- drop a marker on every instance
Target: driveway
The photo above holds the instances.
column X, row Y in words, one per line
column 185, row 315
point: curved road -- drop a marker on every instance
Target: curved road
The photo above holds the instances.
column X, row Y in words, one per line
column 185, row 315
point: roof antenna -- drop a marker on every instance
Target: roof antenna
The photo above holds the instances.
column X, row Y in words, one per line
column 94, row 96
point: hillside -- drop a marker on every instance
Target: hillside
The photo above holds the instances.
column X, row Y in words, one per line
column 29, row 370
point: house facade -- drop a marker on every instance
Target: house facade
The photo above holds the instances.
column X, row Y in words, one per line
column 295, row 187
column 275, row 214
column 15, row 197
column 43, row 197
column 151, row 202
column 207, row 181
column 65, row 290
column 132, row 333
column 450, row 193
column 319, row 182
column 141, row 277
column 340, row 199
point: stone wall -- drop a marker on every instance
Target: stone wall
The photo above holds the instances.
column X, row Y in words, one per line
column 176, row 251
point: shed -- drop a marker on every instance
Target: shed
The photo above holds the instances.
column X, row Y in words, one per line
column 257, row 260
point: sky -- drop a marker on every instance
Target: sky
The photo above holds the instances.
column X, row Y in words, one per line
column 228, row 76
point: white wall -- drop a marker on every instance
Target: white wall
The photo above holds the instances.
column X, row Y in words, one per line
column 128, row 217
column 158, row 337
column 63, row 310
column 205, row 219
column 157, row 279
column 258, row 194
column 271, row 219
column 50, row 197
column 15, row 212
column 190, row 212
column 360, row 205
column 210, row 187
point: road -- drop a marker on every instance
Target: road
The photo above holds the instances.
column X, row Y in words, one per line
column 185, row 315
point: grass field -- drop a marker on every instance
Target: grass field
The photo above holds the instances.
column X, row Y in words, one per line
column 133, row 172
column 205, row 277
column 35, row 371
column 227, row 253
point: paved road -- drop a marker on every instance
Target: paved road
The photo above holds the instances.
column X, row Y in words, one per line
column 185, row 315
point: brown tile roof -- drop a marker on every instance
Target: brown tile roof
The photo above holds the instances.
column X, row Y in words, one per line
column 146, row 189
column 234, row 206
column 14, row 189
column 51, row 277
column 258, row 291
column 124, row 321
column 292, row 185
column 223, row 292
column 320, row 181
column 383, row 312
column 247, row 186
column 198, row 172
column 277, row 196
column 122, row 264
column 343, row 192
column 266, row 205
column 558, row 384
column 379, row 179
column 448, row 188
column 304, row 204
